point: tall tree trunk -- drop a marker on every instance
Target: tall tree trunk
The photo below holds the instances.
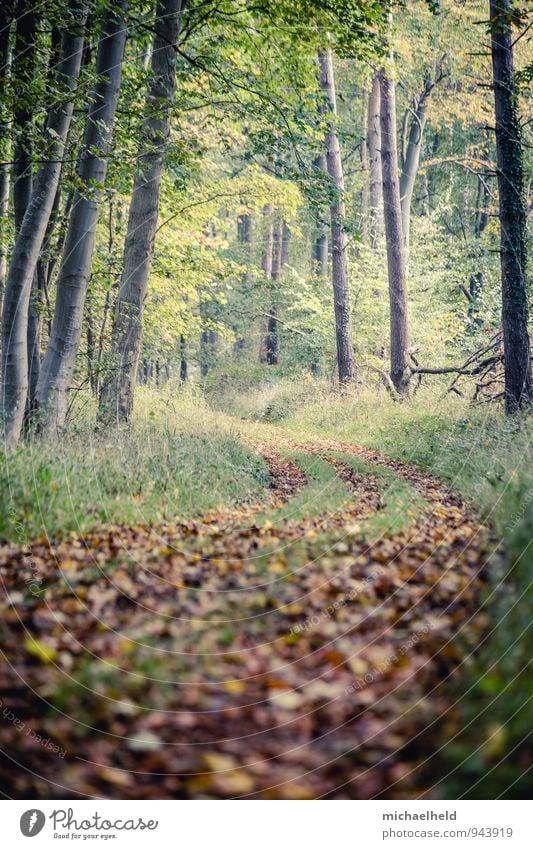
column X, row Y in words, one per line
column 339, row 242
column 365, row 170
column 374, row 160
column 183, row 359
column 60, row 357
column 320, row 242
column 394, row 236
column 244, row 230
column 516, row 345
column 116, row 401
column 272, row 341
column 5, row 147
column 411, row 157
column 23, row 72
column 266, row 267
column 32, row 231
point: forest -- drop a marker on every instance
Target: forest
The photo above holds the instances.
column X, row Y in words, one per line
column 266, row 474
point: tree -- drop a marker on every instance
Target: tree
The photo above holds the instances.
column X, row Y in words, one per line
column 518, row 383
column 5, row 147
column 60, row 358
column 412, row 137
column 374, row 162
column 339, row 241
column 24, row 62
column 399, row 371
column 32, row 231
column 116, row 401
column 267, row 263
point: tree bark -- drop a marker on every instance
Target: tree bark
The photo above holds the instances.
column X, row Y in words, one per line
column 60, row 357
column 266, row 267
column 116, row 401
column 339, row 242
column 399, row 371
column 183, row 359
column 411, row 158
column 509, row 157
column 365, row 169
column 278, row 250
column 32, row 231
column 244, row 231
column 374, row 161
column 23, row 72
column 5, row 148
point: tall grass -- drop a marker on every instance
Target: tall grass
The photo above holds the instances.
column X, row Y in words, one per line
column 175, row 460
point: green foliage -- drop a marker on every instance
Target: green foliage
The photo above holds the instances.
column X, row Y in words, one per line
column 172, row 462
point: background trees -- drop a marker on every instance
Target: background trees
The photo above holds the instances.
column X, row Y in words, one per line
column 156, row 191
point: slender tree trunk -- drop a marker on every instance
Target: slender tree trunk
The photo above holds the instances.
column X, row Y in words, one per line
column 183, row 359
column 266, row 267
column 365, row 169
column 60, row 357
column 272, row 341
column 339, row 242
column 32, row 232
column 411, row 158
column 374, row 159
column 116, row 402
column 394, row 236
column 23, row 72
column 244, row 229
column 320, row 243
column 516, row 344
column 5, row 148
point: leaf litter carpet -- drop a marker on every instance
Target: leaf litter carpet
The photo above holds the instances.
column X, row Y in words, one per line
column 238, row 656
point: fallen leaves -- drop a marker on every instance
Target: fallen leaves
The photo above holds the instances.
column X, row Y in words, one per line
column 218, row 659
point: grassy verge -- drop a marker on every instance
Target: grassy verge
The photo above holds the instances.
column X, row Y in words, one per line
column 486, row 457
column 173, row 461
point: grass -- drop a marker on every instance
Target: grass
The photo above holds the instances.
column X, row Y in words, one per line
column 324, row 492
column 172, row 462
column 486, row 457
column 400, row 503
column 181, row 458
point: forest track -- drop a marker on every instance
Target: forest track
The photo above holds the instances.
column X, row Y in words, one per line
column 222, row 658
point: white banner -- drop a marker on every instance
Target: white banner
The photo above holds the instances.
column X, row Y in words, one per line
column 260, row 825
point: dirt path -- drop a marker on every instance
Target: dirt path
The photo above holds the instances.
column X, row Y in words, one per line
column 238, row 656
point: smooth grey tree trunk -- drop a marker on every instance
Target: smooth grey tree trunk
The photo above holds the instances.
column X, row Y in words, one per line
column 509, row 156
column 5, row 150
column 279, row 258
column 339, row 242
column 320, row 242
column 411, row 158
column 32, row 231
column 399, row 370
column 116, row 400
column 365, row 170
column 23, row 72
column 60, row 357
column 374, row 163
column 267, row 258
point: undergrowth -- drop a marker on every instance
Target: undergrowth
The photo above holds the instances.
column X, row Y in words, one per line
column 175, row 460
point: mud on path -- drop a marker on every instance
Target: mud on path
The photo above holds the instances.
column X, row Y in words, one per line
column 240, row 655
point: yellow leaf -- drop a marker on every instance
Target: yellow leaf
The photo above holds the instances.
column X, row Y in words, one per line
column 44, row 653
column 234, row 687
